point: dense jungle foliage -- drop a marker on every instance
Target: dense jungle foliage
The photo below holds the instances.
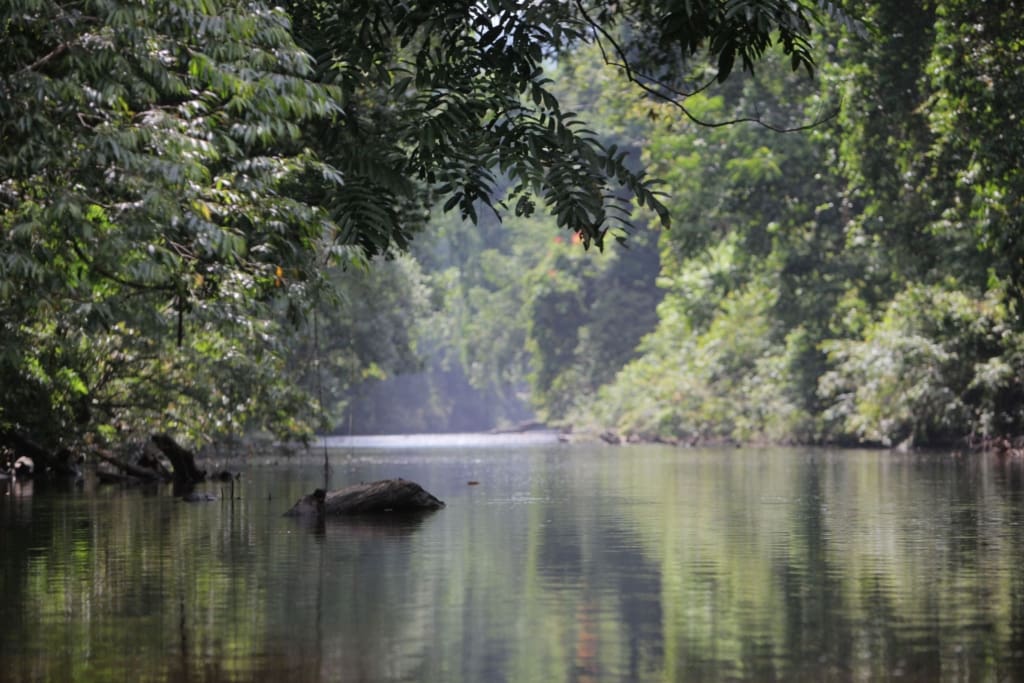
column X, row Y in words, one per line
column 861, row 282
column 220, row 217
column 858, row 282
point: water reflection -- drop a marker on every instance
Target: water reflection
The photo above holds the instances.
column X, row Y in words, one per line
column 633, row 564
column 361, row 527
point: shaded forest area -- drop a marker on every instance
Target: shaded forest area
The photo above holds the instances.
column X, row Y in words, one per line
column 221, row 219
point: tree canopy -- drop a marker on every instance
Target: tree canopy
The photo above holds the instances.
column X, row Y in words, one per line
column 859, row 284
column 192, row 190
column 171, row 171
column 854, row 283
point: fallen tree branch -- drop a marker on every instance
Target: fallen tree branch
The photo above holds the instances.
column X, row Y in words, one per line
column 136, row 471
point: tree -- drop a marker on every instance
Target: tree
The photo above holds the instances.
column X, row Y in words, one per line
column 748, row 271
column 146, row 151
column 443, row 98
column 177, row 165
column 858, row 284
column 974, row 74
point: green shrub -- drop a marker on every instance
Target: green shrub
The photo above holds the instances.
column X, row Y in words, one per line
column 940, row 366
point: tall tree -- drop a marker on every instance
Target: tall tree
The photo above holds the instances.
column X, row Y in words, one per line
column 146, row 151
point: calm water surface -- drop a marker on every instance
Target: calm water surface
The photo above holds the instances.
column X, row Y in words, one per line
column 565, row 563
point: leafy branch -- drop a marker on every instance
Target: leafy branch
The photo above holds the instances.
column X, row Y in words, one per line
column 662, row 91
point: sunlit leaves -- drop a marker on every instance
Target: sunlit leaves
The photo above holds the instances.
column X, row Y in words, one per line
column 451, row 95
column 891, row 245
column 173, row 163
column 933, row 367
column 149, row 152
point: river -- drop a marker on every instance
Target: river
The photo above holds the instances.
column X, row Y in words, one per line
column 559, row 563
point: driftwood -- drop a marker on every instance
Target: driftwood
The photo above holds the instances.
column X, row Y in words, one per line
column 29, row 455
column 21, row 445
column 153, row 458
column 388, row 495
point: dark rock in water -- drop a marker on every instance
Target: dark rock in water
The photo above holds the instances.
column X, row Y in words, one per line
column 387, row 495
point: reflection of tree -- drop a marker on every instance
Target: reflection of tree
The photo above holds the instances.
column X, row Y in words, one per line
column 658, row 566
column 586, row 662
column 814, row 602
column 830, row 565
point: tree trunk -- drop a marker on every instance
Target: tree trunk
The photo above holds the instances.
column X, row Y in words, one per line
column 182, row 460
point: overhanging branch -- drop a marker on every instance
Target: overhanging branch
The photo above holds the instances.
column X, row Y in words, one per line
column 675, row 97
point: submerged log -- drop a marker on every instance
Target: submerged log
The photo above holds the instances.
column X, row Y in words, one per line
column 24, row 466
column 21, row 445
column 388, row 495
